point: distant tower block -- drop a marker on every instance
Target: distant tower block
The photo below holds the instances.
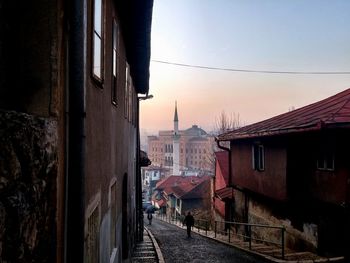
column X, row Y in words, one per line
column 176, row 144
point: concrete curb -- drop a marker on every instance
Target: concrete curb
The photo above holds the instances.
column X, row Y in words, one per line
column 156, row 246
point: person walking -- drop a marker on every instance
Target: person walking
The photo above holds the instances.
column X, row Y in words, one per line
column 149, row 217
column 189, row 222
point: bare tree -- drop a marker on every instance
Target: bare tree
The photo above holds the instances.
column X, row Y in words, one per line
column 225, row 122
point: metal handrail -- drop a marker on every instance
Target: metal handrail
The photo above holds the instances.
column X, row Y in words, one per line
column 248, row 231
column 205, row 225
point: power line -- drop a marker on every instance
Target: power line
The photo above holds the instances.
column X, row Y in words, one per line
column 254, row 71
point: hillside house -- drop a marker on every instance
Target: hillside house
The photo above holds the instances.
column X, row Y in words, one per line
column 294, row 169
column 176, row 195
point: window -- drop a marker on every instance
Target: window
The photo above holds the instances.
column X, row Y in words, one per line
column 258, row 157
column 126, row 93
column 92, row 239
column 134, row 108
column 325, row 159
column 113, row 193
column 115, row 63
column 130, row 105
column 97, row 41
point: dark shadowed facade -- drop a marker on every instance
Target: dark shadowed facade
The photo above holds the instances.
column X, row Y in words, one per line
column 293, row 169
column 70, row 75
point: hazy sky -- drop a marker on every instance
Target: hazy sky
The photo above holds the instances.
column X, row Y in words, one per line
column 276, row 35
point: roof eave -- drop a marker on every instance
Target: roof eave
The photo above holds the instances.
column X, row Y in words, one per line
column 314, row 127
column 136, row 20
column 268, row 133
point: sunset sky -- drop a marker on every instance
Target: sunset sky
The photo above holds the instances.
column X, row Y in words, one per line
column 267, row 35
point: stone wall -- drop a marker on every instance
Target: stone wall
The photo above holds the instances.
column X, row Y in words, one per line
column 28, row 171
column 262, row 212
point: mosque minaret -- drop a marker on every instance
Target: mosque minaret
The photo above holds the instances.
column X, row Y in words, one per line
column 176, row 144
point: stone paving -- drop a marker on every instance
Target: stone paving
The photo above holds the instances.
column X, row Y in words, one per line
column 269, row 252
column 177, row 248
column 167, row 242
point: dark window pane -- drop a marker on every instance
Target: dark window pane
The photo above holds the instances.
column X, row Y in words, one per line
column 329, row 162
column 261, row 157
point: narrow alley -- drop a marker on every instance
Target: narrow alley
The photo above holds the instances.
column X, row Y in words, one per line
column 176, row 247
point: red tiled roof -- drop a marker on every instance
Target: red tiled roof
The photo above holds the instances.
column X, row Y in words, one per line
column 201, row 190
column 180, row 185
column 224, row 193
column 332, row 111
column 222, row 160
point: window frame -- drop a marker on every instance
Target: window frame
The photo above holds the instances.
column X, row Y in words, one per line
column 322, row 157
column 115, row 61
column 126, row 91
column 258, row 157
column 94, row 33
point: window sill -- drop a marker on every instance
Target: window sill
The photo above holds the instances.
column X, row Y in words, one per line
column 97, row 81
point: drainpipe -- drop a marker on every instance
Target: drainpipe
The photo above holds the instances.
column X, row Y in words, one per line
column 229, row 173
column 74, row 195
column 139, row 212
column 229, row 158
column 230, row 183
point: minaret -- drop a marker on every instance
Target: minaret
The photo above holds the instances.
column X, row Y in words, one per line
column 176, row 144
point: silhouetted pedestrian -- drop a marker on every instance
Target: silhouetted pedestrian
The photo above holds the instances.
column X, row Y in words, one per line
column 189, row 222
column 149, row 217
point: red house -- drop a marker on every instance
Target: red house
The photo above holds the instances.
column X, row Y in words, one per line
column 223, row 193
column 293, row 169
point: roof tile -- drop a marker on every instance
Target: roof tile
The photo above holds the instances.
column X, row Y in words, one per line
column 331, row 111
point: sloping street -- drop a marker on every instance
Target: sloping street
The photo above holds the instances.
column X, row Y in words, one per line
column 176, row 247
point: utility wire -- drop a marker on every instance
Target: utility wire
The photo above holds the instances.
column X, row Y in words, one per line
column 254, row 71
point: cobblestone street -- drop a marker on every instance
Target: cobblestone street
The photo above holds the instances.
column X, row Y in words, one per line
column 176, row 247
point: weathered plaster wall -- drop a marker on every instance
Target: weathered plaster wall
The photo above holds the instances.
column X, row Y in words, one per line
column 269, row 182
column 260, row 212
column 28, row 170
column 28, row 55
